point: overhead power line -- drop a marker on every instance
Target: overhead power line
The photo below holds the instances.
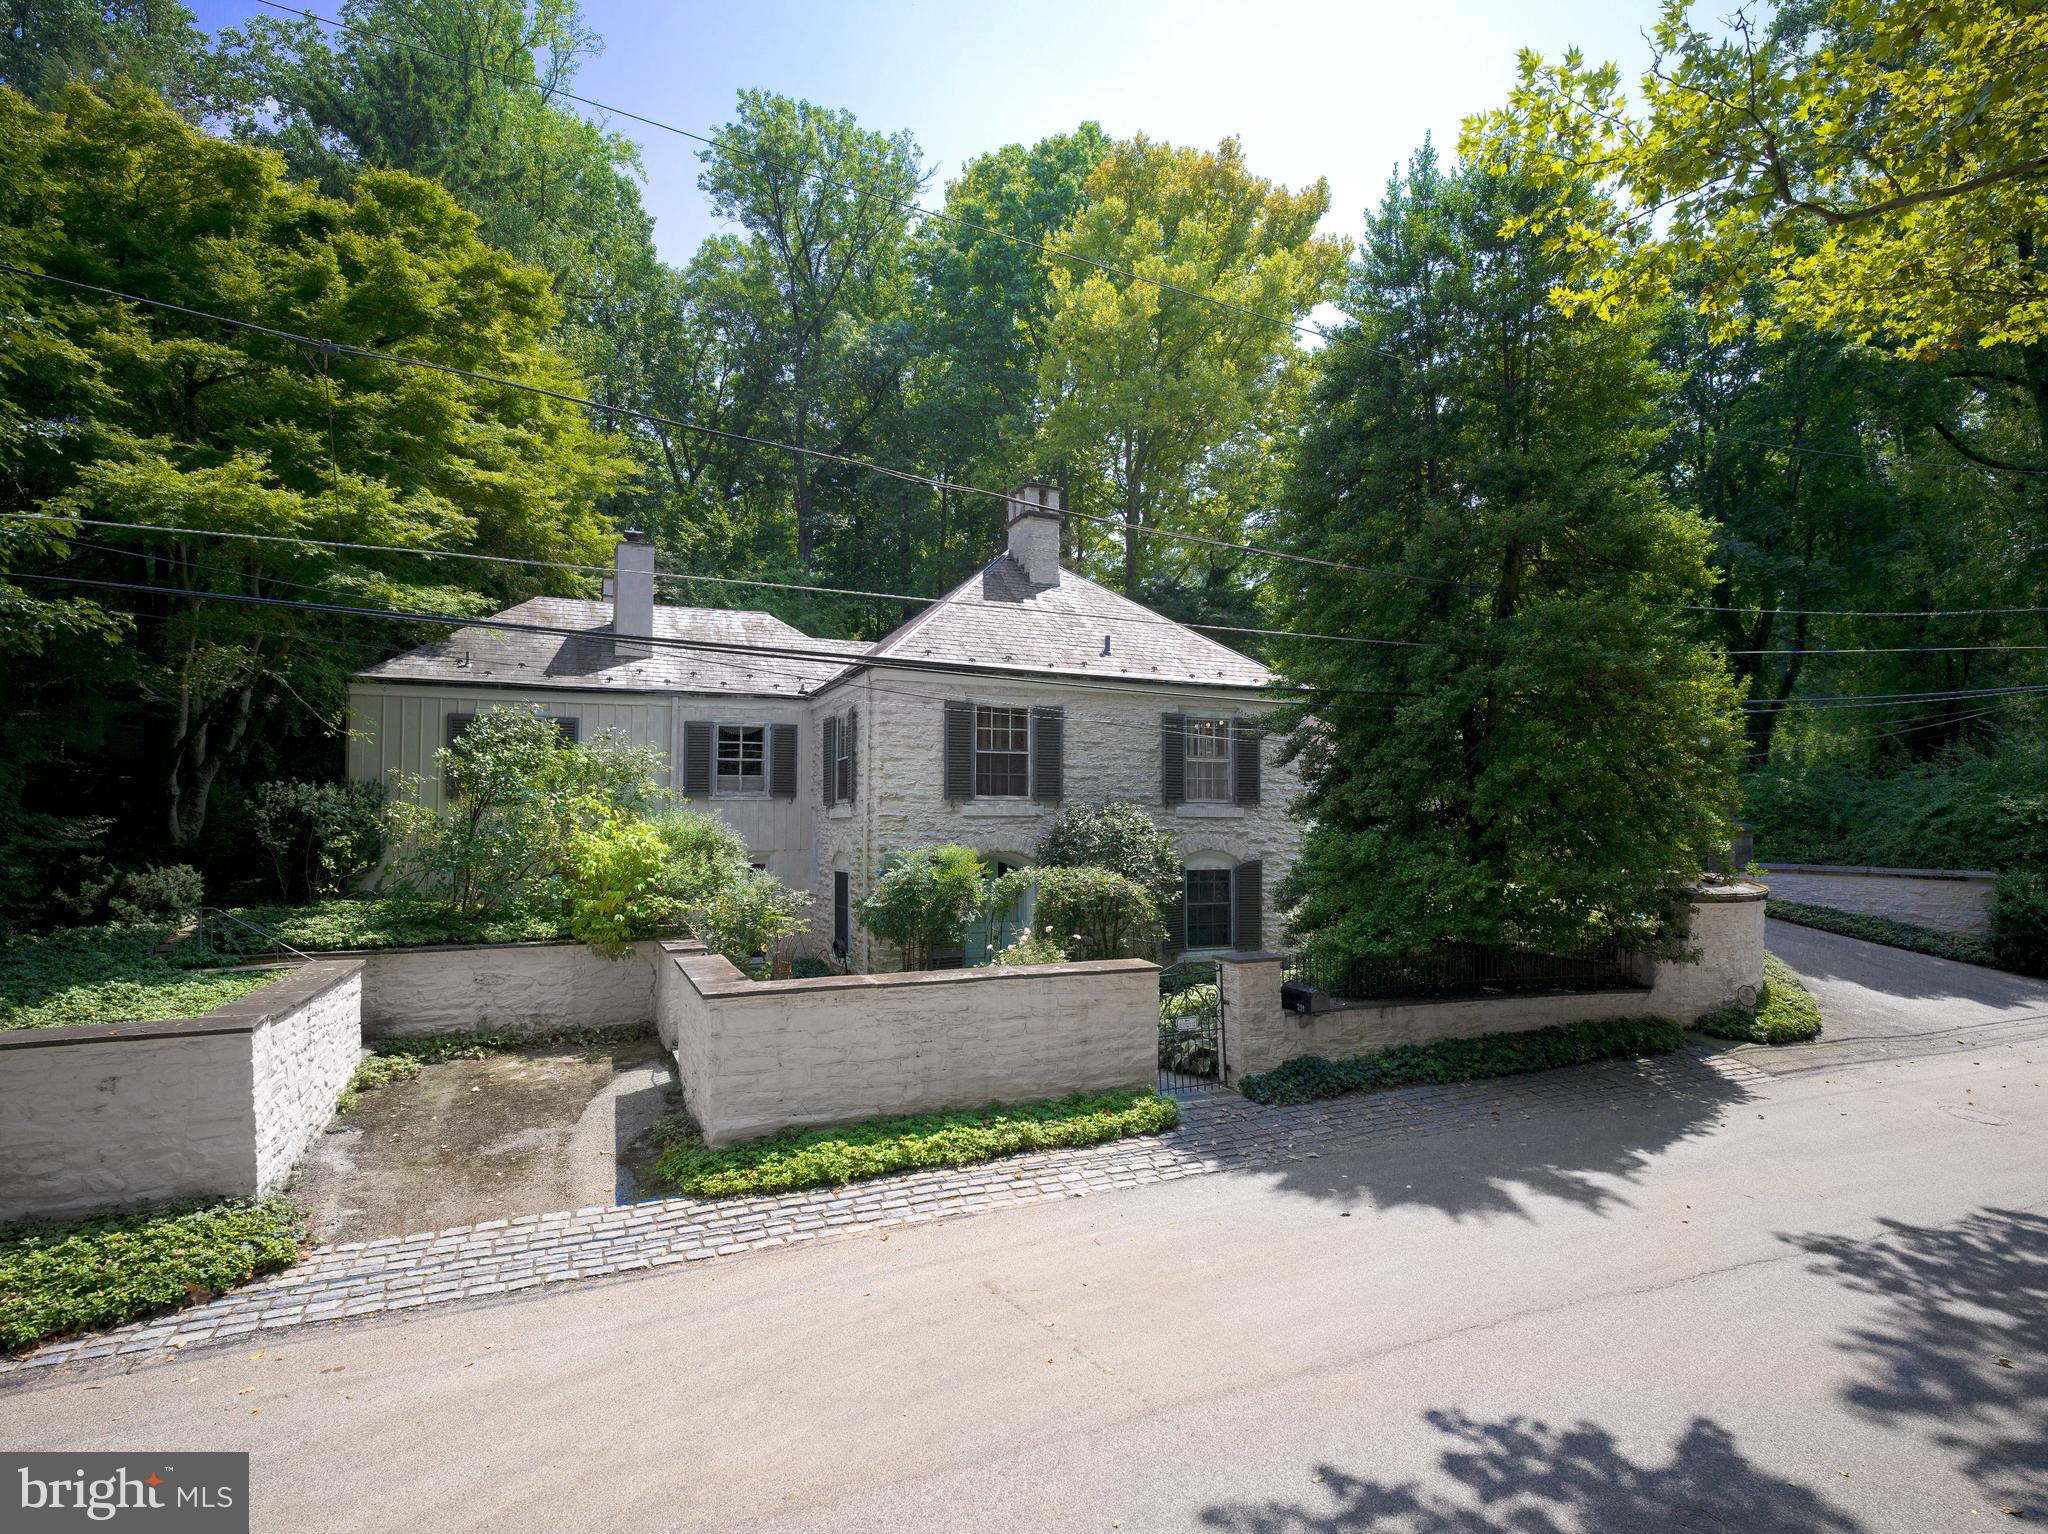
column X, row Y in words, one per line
column 905, row 206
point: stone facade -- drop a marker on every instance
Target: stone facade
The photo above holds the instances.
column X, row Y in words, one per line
column 754, row 1057
column 219, row 1106
column 1947, row 900
column 1726, row 948
column 504, row 988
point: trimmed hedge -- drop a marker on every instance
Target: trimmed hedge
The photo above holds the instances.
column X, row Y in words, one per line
column 59, row 1278
column 393, row 922
column 1311, row 1077
column 1882, row 929
column 820, row 1158
column 1785, row 1011
column 109, row 975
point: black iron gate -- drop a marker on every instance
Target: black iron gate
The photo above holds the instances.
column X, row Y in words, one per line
column 1190, row 1028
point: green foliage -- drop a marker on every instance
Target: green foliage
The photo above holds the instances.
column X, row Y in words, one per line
column 515, row 792
column 631, row 879
column 816, row 1158
column 390, row 922
column 1540, row 750
column 110, row 975
column 1881, row 929
column 924, row 900
column 748, row 917
column 2019, row 922
column 1032, row 947
column 1119, row 836
column 374, row 1071
column 321, row 838
column 60, row 1278
column 1785, row 1011
column 1100, row 914
column 168, row 893
column 1182, row 1046
column 1963, row 809
column 1311, row 1077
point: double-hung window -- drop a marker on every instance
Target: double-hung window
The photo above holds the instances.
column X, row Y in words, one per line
column 1208, row 760
column 1002, row 752
column 842, row 761
column 742, row 765
column 1207, row 906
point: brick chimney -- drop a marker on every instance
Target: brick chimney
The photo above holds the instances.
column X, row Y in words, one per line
column 633, row 595
column 1035, row 522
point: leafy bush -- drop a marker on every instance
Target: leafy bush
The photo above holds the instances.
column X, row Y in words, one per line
column 110, row 975
column 1032, row 947
column 1965, row 809
column 56, row 1279
column 2019, row 922
column 748, row 917
column 321, row 838
column 1882, row 929
column 816, row 1158
column 390, row 921
column 1120, row 837
column 924, row 900
column 168, row 893
column 634, row 879
column 1102, row 914
column 516, row 791
column 1311, row 1077
column 1785, row 1011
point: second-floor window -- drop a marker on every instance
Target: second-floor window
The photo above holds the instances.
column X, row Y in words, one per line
column 1208, row 760
column 842, row 761
column 1002, row 752
column 742, row 769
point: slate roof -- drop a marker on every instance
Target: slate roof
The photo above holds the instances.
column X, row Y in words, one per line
column 997, row 618
column 994, row 620
column 588, row 659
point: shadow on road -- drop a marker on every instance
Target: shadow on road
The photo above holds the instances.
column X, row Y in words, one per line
column 1958, row 1347
column 1488, row 1150
column 1522, row 1476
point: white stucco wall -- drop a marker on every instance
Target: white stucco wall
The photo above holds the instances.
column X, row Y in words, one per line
column 1111, row 752
column 756, row 1057
column 504, row 988
column 1727, row 940
column 219, row 1106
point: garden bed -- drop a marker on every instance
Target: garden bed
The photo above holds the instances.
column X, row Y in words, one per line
column 113, row 974
column 1785, row 1011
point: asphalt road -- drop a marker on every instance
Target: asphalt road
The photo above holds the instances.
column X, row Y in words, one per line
column 1823, row 1308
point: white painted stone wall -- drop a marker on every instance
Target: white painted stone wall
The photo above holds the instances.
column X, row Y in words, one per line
column 755, row 1057
column 1727, row 939
column 1948, row 900
column 219, row 1106
column 505, row 988
column 1111, row 752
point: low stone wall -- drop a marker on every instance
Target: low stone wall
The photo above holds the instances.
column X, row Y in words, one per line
column 1946, row 899
column 758, row 1056
column 504, row 988
column 1727, row 944
column 218, row 1106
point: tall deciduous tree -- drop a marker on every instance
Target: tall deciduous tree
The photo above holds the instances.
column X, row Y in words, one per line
column 1149, row 389
column 1530, row 744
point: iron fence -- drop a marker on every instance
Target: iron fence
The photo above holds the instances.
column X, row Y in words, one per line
column 1190, row 1027
column 1452, row 969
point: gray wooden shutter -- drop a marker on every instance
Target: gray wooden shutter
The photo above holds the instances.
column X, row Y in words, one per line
column 1176, row 914
column 782, row 761
column 1173, row 758
column 1248, row 897
column 959, row 751
column 1048, row 753
column 829, row 752
column 1244, row 753
column 852, row 754
column 697, row 758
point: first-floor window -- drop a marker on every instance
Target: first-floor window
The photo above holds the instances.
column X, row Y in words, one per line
column 842, row 911
column 1002, row 752
column 742, row 759
column 1208, row 760
column 1207, row 903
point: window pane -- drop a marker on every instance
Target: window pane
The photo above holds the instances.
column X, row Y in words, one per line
column 1002, row 752
column 1208, row 759
column 1207, row 904
column 742, row 759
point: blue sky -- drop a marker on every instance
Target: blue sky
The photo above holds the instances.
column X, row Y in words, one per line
column 1332, row 90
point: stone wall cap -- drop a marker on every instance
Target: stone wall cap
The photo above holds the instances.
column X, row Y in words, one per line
column 715, row 975
column 259, row 1009
column 1715, row 894
column 1251, row 956
column 1983, row 875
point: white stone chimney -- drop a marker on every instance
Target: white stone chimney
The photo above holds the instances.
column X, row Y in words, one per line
column 1035, row 521
column 633, row 595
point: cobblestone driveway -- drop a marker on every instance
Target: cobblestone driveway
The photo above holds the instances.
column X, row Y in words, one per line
column 1224, row 1133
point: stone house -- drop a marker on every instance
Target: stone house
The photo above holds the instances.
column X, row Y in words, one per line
column 1026, row 688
